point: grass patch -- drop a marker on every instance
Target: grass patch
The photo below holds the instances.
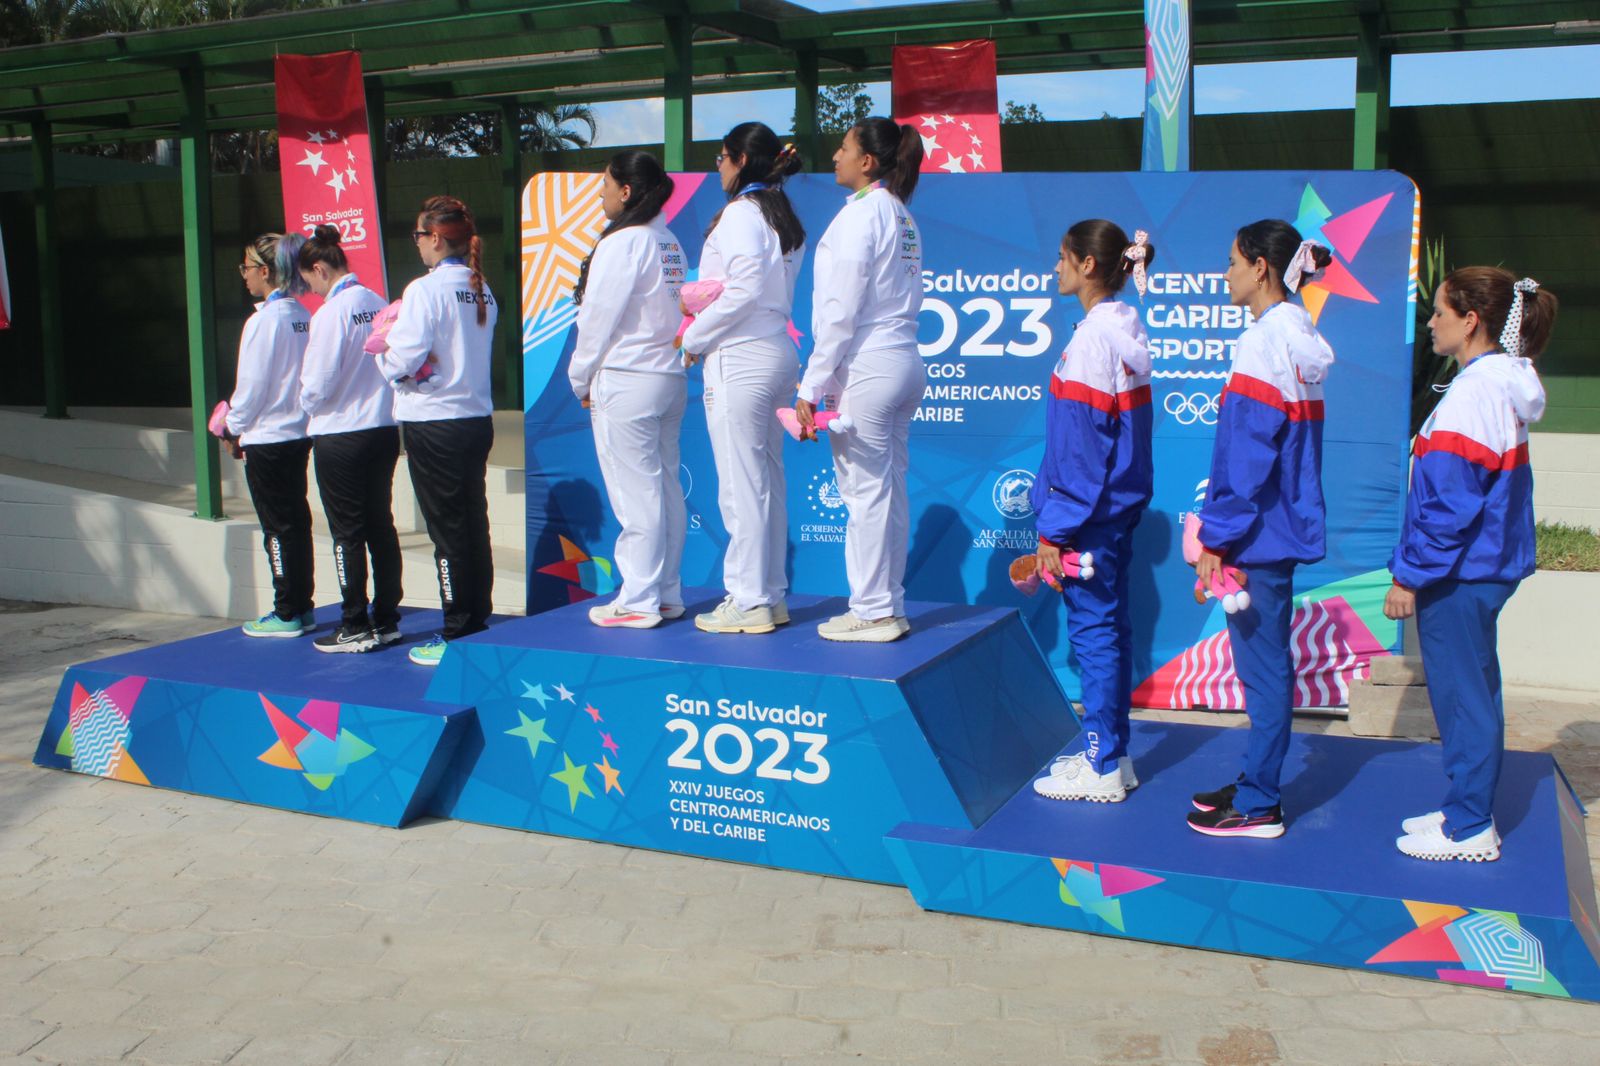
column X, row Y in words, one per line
column 1562, row 547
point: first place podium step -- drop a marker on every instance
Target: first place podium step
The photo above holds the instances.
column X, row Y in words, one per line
column 779, row 749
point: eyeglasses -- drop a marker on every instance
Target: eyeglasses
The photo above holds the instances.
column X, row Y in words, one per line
column 245, row 268
column 720, row 157
column 418, row 234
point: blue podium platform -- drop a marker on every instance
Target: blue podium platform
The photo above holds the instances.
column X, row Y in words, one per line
column 272, row 722
column 780, row 749
column 1332, row 890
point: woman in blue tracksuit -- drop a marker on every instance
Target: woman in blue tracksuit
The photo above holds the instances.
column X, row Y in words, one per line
column 1468, row 539
column 1093, row 486
column 1264, row 511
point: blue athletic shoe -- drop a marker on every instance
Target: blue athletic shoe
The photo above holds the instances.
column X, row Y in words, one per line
column 428, row 654
column 270, row 625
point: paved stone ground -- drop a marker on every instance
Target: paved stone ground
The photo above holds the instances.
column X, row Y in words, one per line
column 148, row 926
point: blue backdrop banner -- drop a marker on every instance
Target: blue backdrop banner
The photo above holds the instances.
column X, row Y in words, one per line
column 992, row 325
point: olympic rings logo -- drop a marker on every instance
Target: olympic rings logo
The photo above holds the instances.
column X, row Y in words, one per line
column 1196, row 407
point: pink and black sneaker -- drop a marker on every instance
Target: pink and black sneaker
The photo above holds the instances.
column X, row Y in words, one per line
column 1226, row 822
column 1210, row 801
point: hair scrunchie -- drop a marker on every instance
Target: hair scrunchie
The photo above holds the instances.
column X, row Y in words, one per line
column 1138, row 252
column 1511, row 334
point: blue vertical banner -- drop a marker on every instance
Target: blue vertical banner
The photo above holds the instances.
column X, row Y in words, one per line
column 1168, row 86
column 992, row 326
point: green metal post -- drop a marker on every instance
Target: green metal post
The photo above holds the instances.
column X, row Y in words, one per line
column 199, row 287
column 48, row 239
column 378, row 139
column 1372, row 96
column 510, row 324
column 678, row 90
column 805, row 108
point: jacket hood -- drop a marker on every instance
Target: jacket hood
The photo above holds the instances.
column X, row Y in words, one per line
column 1520, row 382
column 1311, row 355
column 1121, row 325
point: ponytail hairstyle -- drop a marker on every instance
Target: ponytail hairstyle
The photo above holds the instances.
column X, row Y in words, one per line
column 1494, row 294
column 323, row 247
column 768, row 162
column 1115, row 258
column 278, row 252
column 898, row 150
column 1280, row 245
column 453, row 222
column 652, row 188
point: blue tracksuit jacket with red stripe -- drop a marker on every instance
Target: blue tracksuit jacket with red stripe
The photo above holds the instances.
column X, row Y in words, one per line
column 1098, row 423
column 1264, row 500
column 1469, row 516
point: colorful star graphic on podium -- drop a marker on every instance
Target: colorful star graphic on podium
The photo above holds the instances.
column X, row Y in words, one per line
column 535, row 692
column 564, row 692
column 572, row 777
column 607, row 743
column 531, row 731
column 593, row 713
column 1344, row 234
column 611, row 774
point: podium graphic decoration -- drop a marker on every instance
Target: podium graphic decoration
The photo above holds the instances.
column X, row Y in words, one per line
column 783, row 749
column 271, row 722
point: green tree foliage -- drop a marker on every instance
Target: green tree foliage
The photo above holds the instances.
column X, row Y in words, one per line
column 841, row 106
column 1015, row 113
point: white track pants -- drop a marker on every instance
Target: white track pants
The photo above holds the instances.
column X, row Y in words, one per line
column 744, row 385
column 879, row 391
column 637, row 417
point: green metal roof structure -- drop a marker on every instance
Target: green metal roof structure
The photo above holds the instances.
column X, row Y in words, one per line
column 439, row 56
column 431, row 56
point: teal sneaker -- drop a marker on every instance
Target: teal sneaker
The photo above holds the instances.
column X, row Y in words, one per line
column 428, row 654
column 270, row 625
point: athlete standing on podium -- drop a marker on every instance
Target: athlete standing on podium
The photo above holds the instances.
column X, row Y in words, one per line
column 865, row 363
column 438, row 364
column 265, row 421
column 626, row 371
column 754, row 249
column 1094, row 484
column 356, row 443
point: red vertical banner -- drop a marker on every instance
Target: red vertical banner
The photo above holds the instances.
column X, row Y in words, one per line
column 949, row 92
column 5, row 289
column 325, row 158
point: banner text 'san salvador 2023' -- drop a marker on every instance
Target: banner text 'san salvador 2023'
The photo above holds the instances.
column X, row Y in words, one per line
column 992, row 328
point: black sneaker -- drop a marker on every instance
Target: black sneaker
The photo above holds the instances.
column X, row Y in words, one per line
column 1227, row 822
column 388, row 634
column 1210, row 801
column 346, row 638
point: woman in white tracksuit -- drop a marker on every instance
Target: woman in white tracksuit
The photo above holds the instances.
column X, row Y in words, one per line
column 626, row 371
column 864, row 320
column 754, row 248
column 356, row 443
column 267, row 429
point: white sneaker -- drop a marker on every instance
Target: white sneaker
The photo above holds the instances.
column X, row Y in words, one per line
column 1432, row 844
column 727, row 618
column 848, row 627
column 903, row 622
column 1072, row 778
column 672, row 612
column 1130, row 781
column 610, row 616
column 780, row 613
column 1421, row 823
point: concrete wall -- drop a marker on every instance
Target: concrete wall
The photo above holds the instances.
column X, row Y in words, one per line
column 1549, row 630
column 1566, row 478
